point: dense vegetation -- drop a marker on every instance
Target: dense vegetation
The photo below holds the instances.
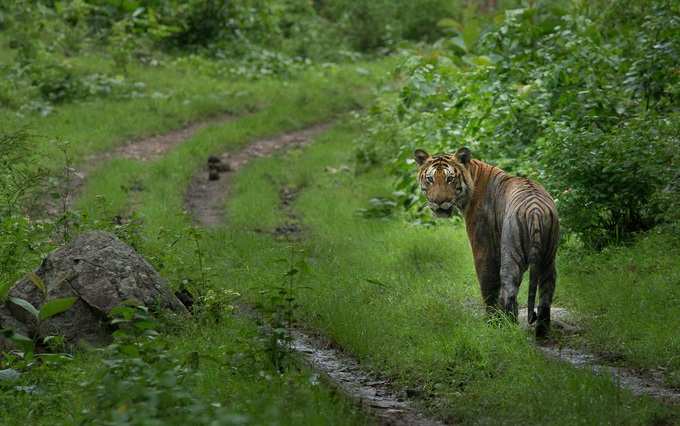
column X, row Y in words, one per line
column 582, row 96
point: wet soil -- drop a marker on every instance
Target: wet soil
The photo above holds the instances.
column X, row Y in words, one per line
column 153, row 147
column 205, row 197
column 150, row 148
column 292, row 229
column 374, row 394
column 639, row 382
column 341, row 371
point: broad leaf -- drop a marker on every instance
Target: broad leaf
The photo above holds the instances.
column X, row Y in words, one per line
column 26, row 305
column 55, row 306
column 18, row 339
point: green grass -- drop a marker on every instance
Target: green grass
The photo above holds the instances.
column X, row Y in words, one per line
column 421, row 323
column 233, row 383
column 243, row 382
column 188, row 94
column 402, row 298
column 628, row 300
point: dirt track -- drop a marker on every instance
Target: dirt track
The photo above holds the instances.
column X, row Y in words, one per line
column 141, row 149
column 205, row 200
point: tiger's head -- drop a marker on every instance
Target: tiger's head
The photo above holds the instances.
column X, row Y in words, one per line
column 445, row 180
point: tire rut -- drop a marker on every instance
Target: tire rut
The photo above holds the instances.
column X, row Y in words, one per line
column 144, row 149
column 209, row 188
column 638, row 382
column 205, row 199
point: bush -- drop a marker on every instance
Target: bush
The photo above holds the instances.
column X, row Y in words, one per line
column 380, row 23
column 609, row 183
column 22, row 241
column 558, row 95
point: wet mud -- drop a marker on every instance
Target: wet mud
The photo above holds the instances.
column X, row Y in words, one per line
column 373, row 393
column 150, row 148
column 639, row 382
column 207, row 193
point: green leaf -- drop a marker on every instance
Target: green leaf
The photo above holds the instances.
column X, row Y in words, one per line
column 55, row 306
column 376, row 282
column 460, row 43
column 302, row 265
column 145, row 325
column 20, row 340
column 55, row 358
column 129, row 350
column 450, row 24
column 37, row 281
column 26, row 305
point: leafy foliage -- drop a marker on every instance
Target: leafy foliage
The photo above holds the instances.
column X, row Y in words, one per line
column 22, row 241
column 378, row 24
column 584, row 99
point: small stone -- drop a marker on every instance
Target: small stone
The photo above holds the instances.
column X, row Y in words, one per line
column 213, row 174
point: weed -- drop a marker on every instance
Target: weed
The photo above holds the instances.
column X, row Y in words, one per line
column 280, row 310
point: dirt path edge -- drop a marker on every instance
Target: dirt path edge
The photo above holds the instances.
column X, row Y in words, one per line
column 205, row 199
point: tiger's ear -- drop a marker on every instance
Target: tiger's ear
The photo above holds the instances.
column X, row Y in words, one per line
column 420, row 156
column 464, row 156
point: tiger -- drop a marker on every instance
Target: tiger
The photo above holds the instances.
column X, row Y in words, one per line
column 511, row 223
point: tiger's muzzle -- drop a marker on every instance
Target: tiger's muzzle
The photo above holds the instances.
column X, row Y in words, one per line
column 443, row 210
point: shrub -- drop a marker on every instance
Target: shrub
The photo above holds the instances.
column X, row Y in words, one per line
column 377, row 24
column 22, row 241
column 558, row 95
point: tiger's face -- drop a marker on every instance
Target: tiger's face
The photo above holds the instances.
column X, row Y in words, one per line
column 445, row 181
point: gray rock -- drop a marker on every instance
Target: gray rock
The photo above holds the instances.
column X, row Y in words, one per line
column 102, row 272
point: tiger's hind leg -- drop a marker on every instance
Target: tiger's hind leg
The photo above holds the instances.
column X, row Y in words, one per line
column 546, row 287
column 511, row 273
column 511, row 269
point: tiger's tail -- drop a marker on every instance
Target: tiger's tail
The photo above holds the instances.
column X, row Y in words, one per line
column 535, row 228
column 533, row 284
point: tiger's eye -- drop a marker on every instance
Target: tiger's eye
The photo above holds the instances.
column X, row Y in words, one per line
column 449, row 179
column 430, row 179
